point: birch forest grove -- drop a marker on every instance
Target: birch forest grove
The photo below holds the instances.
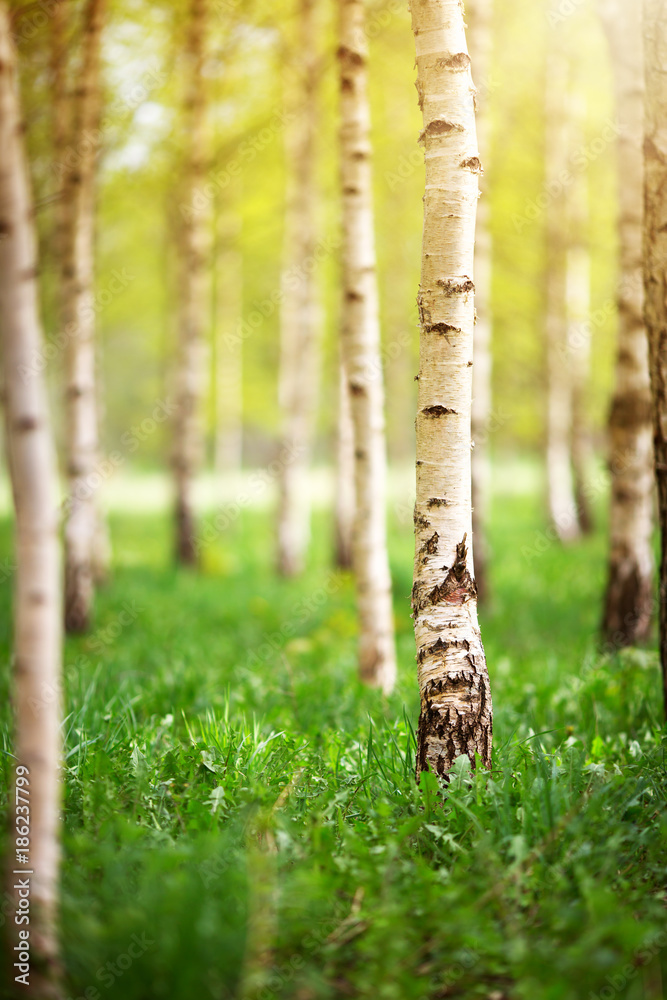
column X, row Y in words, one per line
column 333, row 499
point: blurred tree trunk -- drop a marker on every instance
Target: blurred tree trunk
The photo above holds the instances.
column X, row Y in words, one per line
column 577, row 308
column 299, row 349
column 78, row 324
column 190, row 374
column 479, row 17
column 560, row 485
column 627, row 610
column 345, row 499
column 38, row 596
column 655, row 274
column 456, row 714
column 360, row 339
column 228, row 368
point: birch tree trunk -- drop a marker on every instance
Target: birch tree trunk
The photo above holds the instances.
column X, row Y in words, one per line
column 299, row 353
column 560, row 484
column 479, row 15
column 37, row 596
column 190, row 374
column 627, row 609
column 228, row 308
column 456, row 714
column 360, row 339
column 577, row 308
column 78, row 323
column 655, row 274
column 345, row 493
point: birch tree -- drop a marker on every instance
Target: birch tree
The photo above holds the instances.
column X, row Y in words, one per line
column 345, row 493
column 227, row 288
column 78, row 323
column 190, row 373
column 360, row 338
column 655, row 275
column 37, row 583
column 479, row 15
column 560, row 482
column 456, row 714
column 629, row 595
column 299, row 349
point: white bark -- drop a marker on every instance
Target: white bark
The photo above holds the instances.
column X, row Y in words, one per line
column 38, row 598
column 360, row 338
column 629, row 597
column 299, row 354
column 228, row 354
column 345, row 494
column 577, row 309
column 655, row 273
column 190, row 374
column 479, row 15
column 456, row 715
column 560, row 483
column 78, row 323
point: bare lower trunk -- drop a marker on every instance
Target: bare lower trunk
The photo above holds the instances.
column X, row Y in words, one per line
column 38, row 598
column 78, row 324
column 190, row 374
column 629, row 597
column 360, row 339
column 456, row 715
column 655, row 274
column 228, row 353
column 345, row 500
column 298, row 315
column 479, row 38
column 560, row 484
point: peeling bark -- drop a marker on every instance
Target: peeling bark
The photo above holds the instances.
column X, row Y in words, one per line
column 78, row 322
column 655, row 275
column 190, row 373
column 299, row 347
column 456, row 714
column 629, row 596
column 360, row 339
column 38, row 596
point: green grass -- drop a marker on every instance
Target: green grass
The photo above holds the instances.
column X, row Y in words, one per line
column 244, row 814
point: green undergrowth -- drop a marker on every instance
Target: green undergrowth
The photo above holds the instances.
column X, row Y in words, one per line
column 241, row 817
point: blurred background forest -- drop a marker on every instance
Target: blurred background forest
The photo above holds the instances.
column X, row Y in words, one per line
column 139, row 212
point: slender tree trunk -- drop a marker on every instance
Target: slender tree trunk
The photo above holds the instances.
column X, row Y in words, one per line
column 560, row 483
column 629, row 597
column 577, row 308
column 360, row 338
column 456, row 714
column 655, row 274
column 190, row 375
column 479, row 14
column 228, row 369
column 345, row 496
column 78, row 323
column 38, row 597
column 299, row 354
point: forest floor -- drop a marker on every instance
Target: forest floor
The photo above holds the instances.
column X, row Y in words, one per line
column 241, row 816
